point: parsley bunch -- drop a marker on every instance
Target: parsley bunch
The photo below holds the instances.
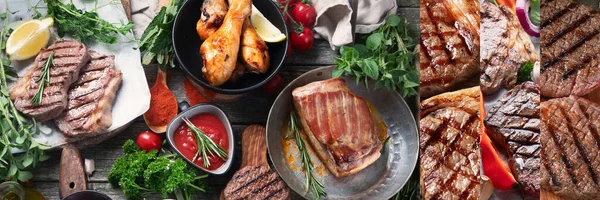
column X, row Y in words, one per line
column 82, row 25
column 16, row 132
column 139, row 173
column 388, row 57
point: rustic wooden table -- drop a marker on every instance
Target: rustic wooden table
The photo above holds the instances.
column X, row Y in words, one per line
column 250, row 109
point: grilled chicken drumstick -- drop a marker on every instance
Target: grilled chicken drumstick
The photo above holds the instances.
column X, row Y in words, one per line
column 220, row 50
column 212, row 14
column 255, row 52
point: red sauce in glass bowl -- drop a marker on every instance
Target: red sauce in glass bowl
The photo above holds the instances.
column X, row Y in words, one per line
column 213, row 127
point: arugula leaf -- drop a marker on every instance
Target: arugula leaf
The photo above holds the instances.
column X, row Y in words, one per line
column 156, row 42
column 387, row 57
column 524, row 73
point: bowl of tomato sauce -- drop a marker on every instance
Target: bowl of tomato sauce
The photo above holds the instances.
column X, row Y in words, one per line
column 214, row 124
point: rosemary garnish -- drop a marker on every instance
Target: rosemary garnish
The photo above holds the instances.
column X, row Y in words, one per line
column 205, row 145
column 312, row 183
column 43, row 81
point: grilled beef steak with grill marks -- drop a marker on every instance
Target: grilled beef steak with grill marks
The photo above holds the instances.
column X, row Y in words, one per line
column 514, row 122
column 256, row 182
column 89, row 108
column 505, row 47
column 69, row 57
column 570, row 138
column 449, row 48
column 569, row 43
column 340, row 126
column 449, row 145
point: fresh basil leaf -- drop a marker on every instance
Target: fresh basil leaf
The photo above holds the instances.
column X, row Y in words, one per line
column 374, row 41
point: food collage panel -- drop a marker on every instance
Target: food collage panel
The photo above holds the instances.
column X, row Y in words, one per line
column 509, row 99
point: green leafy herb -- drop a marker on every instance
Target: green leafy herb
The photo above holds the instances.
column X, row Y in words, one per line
column 534, row 12
column 16, row 132
column 139, row 173
column 85, row 26
column 156, row 42
column 205, row 145
column 312, row 183
column 524, row 73
column 387, row 57
column 43, row 81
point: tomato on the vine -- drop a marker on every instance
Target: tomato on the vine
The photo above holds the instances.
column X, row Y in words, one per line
column 303, row 12
column 148, row 140
column 302, row 41
column 282, row 5
column 274, row 85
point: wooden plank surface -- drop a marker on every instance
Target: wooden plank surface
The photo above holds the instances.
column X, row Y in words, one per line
column 253, row 110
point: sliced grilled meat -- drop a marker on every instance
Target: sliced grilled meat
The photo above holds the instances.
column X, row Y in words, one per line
column 449, row 145
column 505, row 47
column 256, row 182
column 449, row 48
column 570, row 156
column 69, row 57
column 89, row 108
column 569, row 43
column 514, row 122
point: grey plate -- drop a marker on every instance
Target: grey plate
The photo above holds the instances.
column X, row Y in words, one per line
column 380, row 180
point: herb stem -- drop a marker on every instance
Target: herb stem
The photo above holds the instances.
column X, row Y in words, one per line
column 205, row 145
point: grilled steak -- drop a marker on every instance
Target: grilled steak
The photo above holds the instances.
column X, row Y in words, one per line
column 514, row 122
column 256, row 182
column 89, row 108
column 340, row 126
column 449, row 145
column 505, row 47
column 449, row 47
column 569, row 43
column 570, row 138
column 69, row 57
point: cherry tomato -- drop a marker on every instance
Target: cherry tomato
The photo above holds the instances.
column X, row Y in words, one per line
column 302, row 41
column 282, row 4
column 304, row 13
column 274, row 85
column 149, row 140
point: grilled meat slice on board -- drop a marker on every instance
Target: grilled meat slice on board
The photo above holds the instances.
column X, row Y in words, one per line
column 514, row 124
column 505, row 47
column 69, row 57
column 570, row 155
column 449, row 48
column 256, row 182
column 569, row 45
column 342, row 127
column 89, row 108
column 449, row 145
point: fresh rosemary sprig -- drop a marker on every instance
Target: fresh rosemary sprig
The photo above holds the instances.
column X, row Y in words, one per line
column 205, row 145
column 43, row 81
column 312, row 183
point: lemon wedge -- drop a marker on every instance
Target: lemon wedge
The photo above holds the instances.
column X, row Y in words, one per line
column 264, row 28
column 28, row 39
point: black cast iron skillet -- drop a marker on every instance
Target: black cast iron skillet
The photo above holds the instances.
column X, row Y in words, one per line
column 186, row 45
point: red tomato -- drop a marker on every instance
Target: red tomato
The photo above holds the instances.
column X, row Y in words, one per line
column 149, row 140
column 302, row 41
column 274, row 85
column 304, row 13
column 282, row 4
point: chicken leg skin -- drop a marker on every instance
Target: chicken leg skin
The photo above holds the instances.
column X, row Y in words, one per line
column 255, row 52
column 212, row 14
column 220, row 51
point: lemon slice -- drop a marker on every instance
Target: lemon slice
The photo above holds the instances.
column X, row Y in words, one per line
column 28, row 39
column 264, row 28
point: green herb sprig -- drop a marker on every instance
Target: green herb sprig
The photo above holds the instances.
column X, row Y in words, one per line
column 312, row 183
column 140, row 173
column 388, row 57
column 43, row 81
column 524, row 73
column 206, row 145
column 84, row 26
column 16, row 132
column 156, row 43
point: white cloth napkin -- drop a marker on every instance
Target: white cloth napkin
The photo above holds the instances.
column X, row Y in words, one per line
column 333, row 18
column 142, row 13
